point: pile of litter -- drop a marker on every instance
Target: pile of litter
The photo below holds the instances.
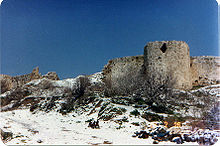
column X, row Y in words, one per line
column 175, row 134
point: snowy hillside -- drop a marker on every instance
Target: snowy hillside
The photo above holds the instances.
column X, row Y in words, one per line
column 46, row 111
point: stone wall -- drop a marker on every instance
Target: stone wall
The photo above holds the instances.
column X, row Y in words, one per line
column 8, row 82
column 169, row 59
column 122, row 69
column 23, row 79
column 205, row 70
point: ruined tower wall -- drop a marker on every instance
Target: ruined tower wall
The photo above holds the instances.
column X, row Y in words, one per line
column 8, row 82
column 23, row 79
column 122, row 68
column 205, row 70
column 166, row 59
column 169, row 59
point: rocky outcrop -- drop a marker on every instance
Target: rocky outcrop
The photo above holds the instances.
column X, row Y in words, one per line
column 6, row 83
column 23, row 79
column 9, row 82
column 51, row 76
column 5, row 135
column 46, row 89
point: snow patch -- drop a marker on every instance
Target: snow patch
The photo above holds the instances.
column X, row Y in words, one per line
column 96, row 78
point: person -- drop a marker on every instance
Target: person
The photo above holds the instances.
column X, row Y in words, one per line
column 90, row 124
column 97, row 124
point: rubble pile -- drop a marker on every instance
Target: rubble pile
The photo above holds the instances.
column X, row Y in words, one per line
column 204, row 137
column 178, row 135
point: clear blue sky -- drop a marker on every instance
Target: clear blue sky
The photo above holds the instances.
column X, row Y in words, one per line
column 75, row 37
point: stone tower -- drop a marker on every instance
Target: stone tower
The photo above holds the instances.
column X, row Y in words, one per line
column 168, row 59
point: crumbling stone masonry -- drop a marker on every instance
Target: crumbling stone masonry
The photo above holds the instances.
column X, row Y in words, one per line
column 8, row 82
column 166, row 59
column 122, row 68
column 169, row 59
column 205, row 70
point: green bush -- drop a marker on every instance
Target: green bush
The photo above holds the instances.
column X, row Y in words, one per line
column 139, row 101
column 152, row 117
column 135, row 112
column 161, row 109
column 118, row 110
column 107, row 113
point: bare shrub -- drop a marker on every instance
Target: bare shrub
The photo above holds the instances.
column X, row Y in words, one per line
column 16, row 94
column 5, row 85
column 75, row 95
column 108, row 90
column 96, row 87
column 135, row 112
column 94, row 90
column 212, row 118
column 81, row 84
column 152, row 117
column 156, row 91
column 197, row 124
column 205, row 110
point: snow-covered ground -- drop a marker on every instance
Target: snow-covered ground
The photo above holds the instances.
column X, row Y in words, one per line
column 54, row 128
column 96, row 77
column 66, row 83
column 212, row 90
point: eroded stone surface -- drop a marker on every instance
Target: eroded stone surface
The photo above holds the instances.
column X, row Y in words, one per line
column 205, row 70
column 165, row 59
column 169, row 59
column 9, row 82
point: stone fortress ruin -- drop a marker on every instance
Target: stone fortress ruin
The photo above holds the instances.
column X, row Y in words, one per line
column 169, row 58
column 9, row 82
column 161, row 60
column 166, row 59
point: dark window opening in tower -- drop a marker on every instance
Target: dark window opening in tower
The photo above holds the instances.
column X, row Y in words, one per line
column 164, row 48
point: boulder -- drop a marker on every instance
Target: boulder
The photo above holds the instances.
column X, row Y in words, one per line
column 6, row 83
column 6, row 135
column 174, row 130
column 178, row 140
column 51, row 76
